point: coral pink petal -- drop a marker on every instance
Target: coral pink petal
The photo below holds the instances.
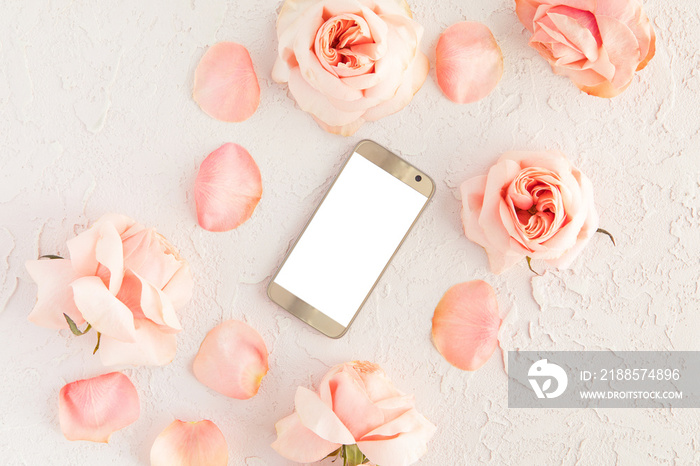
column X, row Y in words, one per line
column 54, row 295
column 468, row 62
column 297, row 443
column 227, row 189
column 92, row 409
column 232, row 360
column 225, row 84
column 190, row 444
column 466, row 323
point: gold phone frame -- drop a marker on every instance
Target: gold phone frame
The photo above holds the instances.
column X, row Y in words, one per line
column 395, row 166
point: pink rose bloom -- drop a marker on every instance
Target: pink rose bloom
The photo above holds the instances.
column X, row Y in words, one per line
column 531, row 204
column 126, row 281
column 355, row 404
column 598, row 44
column 349, row 61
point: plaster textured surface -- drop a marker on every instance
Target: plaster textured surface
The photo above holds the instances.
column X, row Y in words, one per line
column 96, row 115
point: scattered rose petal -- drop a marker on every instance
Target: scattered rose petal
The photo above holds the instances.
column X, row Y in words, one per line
column 227, row 189
column 466, row 323
column 92, row 409
column 225, row 84
column 232, row 360
column 190, row 444
column 468, row 62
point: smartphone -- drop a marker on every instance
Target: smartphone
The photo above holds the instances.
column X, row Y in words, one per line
column 350, row 239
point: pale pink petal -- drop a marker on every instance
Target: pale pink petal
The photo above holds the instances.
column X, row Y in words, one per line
column 399, row 442
column 468, row 62
column 83, row 247
column 179, row 288
column 346, row 130
column 92, row 409
column 152, row 347
column 102, row 310
column 297, row 443
column 352, row 405
column 417, row 72
column 225, row 84
column 501, row 251
column 466, row 323
column 190, row 444
column 318, row 417
column 156, row 305
column 318, row 104
column 227, row 189
column 587, row 229
column 394, row 407
column 150, row 255
column 109, row 252
column 232, row 360
column 54, row 295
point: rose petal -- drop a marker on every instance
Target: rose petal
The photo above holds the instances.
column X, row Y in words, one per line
column 352, row 405
column 156, row 305
column 151, row 256
column 399, row 442
column 190, row 444
column 526, row 9
column 151, row 347
column 83, row 247
column 232, row 360
column 227, row 189
column 179, row 288
column 54, row 296
column 225, row 84
column 468, row 62
column 102, row 310
column 92, row 409
column 297, row 443
column 318, row 417
column 466, row 323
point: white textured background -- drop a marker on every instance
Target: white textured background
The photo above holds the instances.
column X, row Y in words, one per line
column 96, row 116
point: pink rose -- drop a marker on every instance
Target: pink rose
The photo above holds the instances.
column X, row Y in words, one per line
column 597, row 44
column 349, row 61
column 126, row 281
column 356, row 407
column 531, row 204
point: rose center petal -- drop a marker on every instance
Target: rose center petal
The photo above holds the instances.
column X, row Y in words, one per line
column 339, row 42
column 536, row 204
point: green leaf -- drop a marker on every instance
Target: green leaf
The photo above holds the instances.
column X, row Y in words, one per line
column 332, row 454
column 74, row 328
column 529, row 264
column 97, row 346
column 352, row 456
column 605, row 232
column 50, row 256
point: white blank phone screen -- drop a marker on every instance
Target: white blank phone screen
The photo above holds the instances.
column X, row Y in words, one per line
column 351, row 238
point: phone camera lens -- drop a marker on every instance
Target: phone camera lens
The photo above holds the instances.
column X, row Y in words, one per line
column 418, row 177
